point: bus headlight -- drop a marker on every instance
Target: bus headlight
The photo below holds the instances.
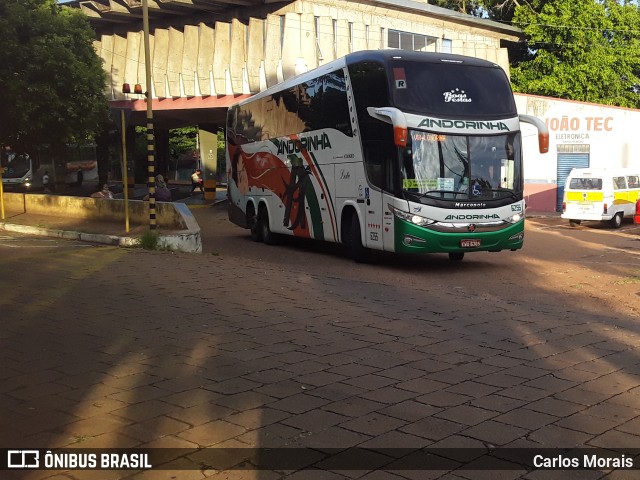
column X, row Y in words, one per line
column 410, row 217
column 514, row 218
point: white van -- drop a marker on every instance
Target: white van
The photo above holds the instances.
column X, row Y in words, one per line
column 600, row 194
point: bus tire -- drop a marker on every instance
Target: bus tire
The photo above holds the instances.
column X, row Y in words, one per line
column 616, row 221
column 358, row 251
column 254, row 225
column 267, row 235
column 456, row 256
column 575, row 223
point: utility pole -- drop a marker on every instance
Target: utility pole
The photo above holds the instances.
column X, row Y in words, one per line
column 151, row 181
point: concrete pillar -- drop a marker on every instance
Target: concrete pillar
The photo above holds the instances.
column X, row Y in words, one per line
column 118, row 65
column 273, row 52
column 208, row 140
column 142, row 72
column 255, row 53
column 205, row 59
column 106, row 53
column 190, row 59
column 174, row 61
column 326, row 40
column 238, row 57
column 221, row 57
column 359, row 34
column 160, row 55
column 290, row 44
column 308, row 45
column 342, row 38
column 134, row 45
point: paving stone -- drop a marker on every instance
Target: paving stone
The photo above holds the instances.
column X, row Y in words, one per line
column 555, row 407
column 553, row 436
column 336, row 391
column 389, row 395
column 211, row 433
column 466, row 414
column 615, row 412
column 410, row 410
column 373, row 424
column 615, row 439
column 472, row 389
column 433, row 428
column 497, row 403
column 314, row 420
column 494, row 433
column 443, row 399
column 299, row 403
column 525, row 418
column 422, row 385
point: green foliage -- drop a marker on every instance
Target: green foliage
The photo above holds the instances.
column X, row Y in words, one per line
column 150, row 240
column 500, row 10
column 182, row 140
column 53, row 80
column 586, row 50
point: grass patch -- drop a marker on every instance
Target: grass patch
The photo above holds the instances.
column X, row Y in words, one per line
column 627, row 281
column 150, row 240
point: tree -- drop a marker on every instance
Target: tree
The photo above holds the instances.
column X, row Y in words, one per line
column 53, row 81
column 586, row 50
column 499, row 10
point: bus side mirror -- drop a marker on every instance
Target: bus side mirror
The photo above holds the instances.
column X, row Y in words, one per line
column 543, row 131
column 396, row 118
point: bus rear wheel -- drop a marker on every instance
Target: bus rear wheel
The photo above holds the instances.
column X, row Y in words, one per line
column 267, row 235
column 456, row 256
column 575, row 223
column 254, row 224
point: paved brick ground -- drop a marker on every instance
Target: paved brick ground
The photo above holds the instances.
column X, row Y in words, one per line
column 106, row 347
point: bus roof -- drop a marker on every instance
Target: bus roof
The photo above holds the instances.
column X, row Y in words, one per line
column 381, row 56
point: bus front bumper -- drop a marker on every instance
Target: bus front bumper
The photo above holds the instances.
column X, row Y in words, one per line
column 410, row 238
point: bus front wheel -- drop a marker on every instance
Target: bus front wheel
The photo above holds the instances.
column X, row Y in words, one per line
column 358, row 251
column 456, row 256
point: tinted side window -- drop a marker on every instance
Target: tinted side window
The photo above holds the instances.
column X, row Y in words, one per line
column 370, row 89
column 323, row 103
column 335, row 107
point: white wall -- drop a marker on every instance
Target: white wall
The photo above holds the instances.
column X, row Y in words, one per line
column 609, row 134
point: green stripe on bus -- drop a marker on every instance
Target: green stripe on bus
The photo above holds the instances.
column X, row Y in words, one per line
column 314, row 212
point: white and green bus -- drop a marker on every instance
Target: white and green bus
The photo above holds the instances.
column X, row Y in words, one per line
column 389, row 150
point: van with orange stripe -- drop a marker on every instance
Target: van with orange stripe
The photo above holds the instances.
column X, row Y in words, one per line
column 606, row 195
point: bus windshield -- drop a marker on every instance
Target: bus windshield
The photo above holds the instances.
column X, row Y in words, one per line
column 459, row 167
column 18, row 167
column 451, row 90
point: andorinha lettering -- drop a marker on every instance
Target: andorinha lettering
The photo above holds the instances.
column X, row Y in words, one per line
column 463, row 124
column 315, row 142
column 493, row 216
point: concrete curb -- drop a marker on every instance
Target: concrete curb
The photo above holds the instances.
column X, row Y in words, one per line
column 69, row 235
column 188, row 240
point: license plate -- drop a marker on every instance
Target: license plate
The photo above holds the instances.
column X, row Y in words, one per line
column 470, row 243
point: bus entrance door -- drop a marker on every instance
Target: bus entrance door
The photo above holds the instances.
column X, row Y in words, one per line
column 373, row 218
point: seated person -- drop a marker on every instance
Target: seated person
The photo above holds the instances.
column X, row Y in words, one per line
column 163, row 194
column 104, row 193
